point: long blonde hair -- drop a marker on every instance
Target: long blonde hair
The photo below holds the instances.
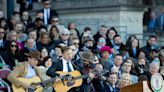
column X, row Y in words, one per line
column 125, row 77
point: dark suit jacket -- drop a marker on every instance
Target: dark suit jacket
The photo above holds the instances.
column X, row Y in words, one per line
column 109, row 88
column 3, row 49
column 58, row 66
column 52, row 13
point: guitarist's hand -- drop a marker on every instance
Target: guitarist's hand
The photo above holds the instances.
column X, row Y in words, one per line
column 91, row 75
column 70, row 78
column 26, row 86
column 57, row 80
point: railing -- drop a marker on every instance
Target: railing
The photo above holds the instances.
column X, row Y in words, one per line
column 143, row 37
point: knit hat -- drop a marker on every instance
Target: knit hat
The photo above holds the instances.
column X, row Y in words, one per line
column 105, row 48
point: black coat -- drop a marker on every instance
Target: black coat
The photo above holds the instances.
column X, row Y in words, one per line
column 58, row 66
column 52, row 13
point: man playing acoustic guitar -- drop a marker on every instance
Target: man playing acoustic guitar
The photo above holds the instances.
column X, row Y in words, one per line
column 25, row 73
column 65, row 65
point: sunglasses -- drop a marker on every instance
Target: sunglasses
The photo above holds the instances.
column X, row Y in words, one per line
column 47, row 4
column 65, row 34
column 13, row 45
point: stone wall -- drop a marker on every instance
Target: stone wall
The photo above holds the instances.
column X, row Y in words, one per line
column 3, row 7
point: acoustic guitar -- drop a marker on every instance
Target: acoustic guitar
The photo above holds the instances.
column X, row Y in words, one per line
column 29, row 81
column 64, row 85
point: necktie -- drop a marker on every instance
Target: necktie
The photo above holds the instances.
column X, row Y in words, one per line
column 68, row 67
column 162, row 22
column 114, row 89
column 45, row 17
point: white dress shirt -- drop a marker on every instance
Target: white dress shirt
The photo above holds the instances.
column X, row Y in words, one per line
column 30, row 72
column 65, row 69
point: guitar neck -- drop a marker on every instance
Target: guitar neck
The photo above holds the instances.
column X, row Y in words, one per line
column 45, row 82
column 80, row 77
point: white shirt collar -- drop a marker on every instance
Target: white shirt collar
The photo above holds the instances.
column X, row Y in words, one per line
column 65, row 69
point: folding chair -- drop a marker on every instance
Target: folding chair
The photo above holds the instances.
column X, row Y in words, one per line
column 4, row 85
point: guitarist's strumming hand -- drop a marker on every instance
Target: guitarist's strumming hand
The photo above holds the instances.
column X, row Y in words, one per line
column 57, row 79
column 26, row 86
column 91, row 75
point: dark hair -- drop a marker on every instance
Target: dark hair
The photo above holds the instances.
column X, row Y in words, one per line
column 152, row 36
column 38, row 19
column 87, row 28
column 116, row 36
column 50, row 34
column 65, row 48
column 112, row 29
column 130, row 44
column 44, row 60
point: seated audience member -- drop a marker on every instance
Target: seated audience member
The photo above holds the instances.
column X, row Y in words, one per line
column 43, row 53
column 111, row 83
column 73, row 30
column 124, row 80
column 54, row 33
column 44, row 65
column 63, row 37
column 29, row 45
column 110, row 34
column 151, row 45
column 162, row 71
column 87, row 43
column 126, row 68
column 161, row 57
column 99, row 80
column 76, row 57
column 114, row 69
column 56, row 54
column 27, row 69
column 153, row 68
column 13, row 55
column 141, row 66
column 44, row 41
column 101, row 32
column 134, row 49
column 100, row 43
column 76, row 42
column 118, row 62
column 105, row 60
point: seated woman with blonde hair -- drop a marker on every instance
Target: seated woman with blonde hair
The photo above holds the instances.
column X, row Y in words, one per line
column 124, row 80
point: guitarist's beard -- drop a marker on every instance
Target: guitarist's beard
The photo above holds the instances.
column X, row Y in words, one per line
column 91, row 66
column 86, row 65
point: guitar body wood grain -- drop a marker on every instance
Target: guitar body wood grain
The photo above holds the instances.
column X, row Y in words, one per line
column 60, row 87
column 28, row 81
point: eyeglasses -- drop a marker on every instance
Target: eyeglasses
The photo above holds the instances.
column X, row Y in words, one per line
column 13, row 45
column 2, row 32
column 73, row 49
column 85, row 60
column 55, row 21
column 76, row 43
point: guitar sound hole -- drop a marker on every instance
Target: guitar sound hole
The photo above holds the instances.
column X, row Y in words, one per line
column 70, row 83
